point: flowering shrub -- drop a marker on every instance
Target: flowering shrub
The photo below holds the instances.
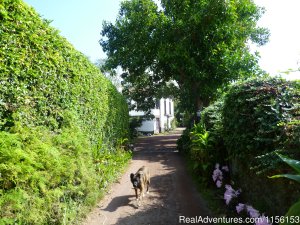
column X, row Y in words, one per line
column 260, row 117
column 230, row 194
column 218, row 176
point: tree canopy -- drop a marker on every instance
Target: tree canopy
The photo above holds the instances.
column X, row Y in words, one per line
column 201, row 44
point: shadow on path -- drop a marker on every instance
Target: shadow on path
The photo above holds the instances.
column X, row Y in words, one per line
column 172, row 191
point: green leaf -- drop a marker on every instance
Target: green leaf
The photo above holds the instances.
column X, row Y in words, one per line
column 292, row 214
column 289, row 176
column 291, row 162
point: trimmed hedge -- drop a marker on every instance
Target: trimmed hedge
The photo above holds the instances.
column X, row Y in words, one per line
column 62, row 123
column 42, row 76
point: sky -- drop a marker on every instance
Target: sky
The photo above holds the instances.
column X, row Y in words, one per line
column 81, row 23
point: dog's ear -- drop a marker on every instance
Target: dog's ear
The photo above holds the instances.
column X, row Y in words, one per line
column 131, row 176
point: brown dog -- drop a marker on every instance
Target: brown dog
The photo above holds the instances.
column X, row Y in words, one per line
column 140, row 181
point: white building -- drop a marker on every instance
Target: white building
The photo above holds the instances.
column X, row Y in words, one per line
column 163, row 116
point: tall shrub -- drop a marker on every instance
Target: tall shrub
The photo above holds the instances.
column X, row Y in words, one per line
column 211, row 118
column 260, row 117
column 255, row 113
column 42, row 75
column 61, row 122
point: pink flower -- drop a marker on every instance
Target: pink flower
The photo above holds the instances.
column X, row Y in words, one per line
column 217, row 174
column 262, row 220
column 227, row 198
column 230, row 193
column 240, row 207
column 252, row 212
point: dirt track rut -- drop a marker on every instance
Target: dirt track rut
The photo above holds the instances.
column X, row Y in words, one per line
column 172, row 191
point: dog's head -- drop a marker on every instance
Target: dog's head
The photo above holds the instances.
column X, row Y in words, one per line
column 135, row 180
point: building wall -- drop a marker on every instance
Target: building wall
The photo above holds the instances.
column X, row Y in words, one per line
column 163, row 116
column 166, row 113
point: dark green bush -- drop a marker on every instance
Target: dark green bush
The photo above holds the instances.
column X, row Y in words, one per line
column 134, row 123
column 203, row 144
column 211, row 118
column 62, row 123
column 260, row 117
column 256, row 118
column 255, row 114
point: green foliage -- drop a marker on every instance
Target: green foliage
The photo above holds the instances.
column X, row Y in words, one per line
column 199, row 147
column 255, row 119
column 202, row 45
column 134, row 123
column 295, row 164
column 49, row 178
column 42, row 75
column 211, row 118
column 184, row 142
column 257, row 115
column 204, row 144
column 259, row 119
column 62, row 123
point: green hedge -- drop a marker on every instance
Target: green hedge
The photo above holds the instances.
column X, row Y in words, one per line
column 256, row 115
column 211, row 118
column 42, row 76
column 252, row 121
column 260, row 117
column 62, row 123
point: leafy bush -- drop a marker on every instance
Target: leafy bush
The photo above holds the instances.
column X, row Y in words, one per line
column 199, row 148
column 61, row 123
column 256, row 119
column 134, row 123
column 260, row 118
column 211, row 118
column 203, row 144
column 42, row 75
column 294, row 210
column 184, row 142
column 49, row 178
column 253, row 112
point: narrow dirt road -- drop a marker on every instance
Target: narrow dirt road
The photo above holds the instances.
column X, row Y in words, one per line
column 172, row 192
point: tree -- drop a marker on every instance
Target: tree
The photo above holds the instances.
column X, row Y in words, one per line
column 200, row 44
column 111, row 74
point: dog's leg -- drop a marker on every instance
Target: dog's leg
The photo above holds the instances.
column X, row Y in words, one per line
column 136, row 193
column 148, row 183
column 142, row 192
column 138, row 198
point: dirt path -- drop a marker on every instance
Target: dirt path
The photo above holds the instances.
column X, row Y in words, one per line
column 172, row 192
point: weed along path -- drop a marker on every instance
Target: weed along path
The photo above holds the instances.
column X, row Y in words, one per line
column 172, row 195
